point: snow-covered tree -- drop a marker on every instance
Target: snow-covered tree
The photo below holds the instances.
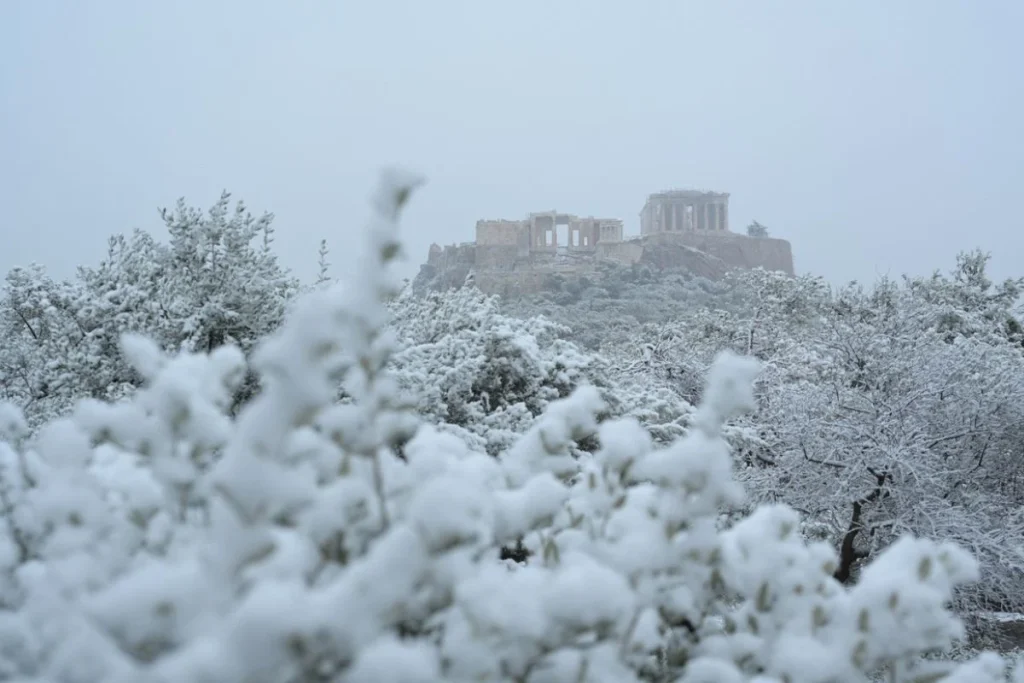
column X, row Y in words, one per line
column 162, row 539
column 883, row 411
column 967, row 302
column 216, row 282
column 755, row 229
column 902, row 425
column 232, row 289
column 485, row 373
column 51, row 354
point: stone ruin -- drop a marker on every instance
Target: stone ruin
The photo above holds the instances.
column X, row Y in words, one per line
column 682, row 229
column 690, row 210
column 548, row 232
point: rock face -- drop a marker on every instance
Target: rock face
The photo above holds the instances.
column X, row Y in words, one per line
column 510, row 270
column 447, row 268
column 737, row 251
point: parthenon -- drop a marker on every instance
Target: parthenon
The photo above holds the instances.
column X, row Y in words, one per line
column 685, row 210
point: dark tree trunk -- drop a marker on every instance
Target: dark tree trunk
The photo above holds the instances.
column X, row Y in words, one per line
column 848, row 553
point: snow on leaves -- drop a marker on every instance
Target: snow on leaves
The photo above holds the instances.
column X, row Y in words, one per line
column 164, row 539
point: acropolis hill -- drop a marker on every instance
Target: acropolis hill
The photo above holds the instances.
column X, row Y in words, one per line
column 684, row 229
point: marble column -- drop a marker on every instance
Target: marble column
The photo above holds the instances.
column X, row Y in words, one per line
column 725, row 217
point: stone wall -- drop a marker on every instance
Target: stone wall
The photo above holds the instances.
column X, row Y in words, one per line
column 448, row 266
column 630, row 251
column 494, row 257
column 740, row 251
column 500, row 232
column 672, row 249
column 736, row 251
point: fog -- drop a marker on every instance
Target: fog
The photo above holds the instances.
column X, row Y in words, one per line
column 877, row 137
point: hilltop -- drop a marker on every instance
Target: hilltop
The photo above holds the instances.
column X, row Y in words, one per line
column 684, row 230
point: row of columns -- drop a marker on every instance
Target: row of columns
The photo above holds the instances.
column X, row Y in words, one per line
column 703, row 216
column 581, row 233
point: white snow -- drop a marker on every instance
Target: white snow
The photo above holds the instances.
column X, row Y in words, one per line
column 167, row 538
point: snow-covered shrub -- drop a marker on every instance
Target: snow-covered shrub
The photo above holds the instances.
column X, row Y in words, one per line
column 486, row 374
column 163, row 540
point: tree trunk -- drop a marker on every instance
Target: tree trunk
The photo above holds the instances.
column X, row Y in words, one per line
column 848, row 553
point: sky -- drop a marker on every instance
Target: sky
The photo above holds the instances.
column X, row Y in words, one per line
column 879, row 137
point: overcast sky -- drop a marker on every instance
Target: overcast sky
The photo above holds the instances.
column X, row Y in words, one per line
column 878, row 136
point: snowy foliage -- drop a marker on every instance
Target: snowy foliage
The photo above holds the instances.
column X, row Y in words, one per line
column 881, row 412
column 609, row 307
column 216, row 282
column 472, row 368
column 755, row 229
column 46, row 361
column 164, row 539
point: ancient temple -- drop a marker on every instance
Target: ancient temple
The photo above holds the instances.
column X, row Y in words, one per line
column 685, row 211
